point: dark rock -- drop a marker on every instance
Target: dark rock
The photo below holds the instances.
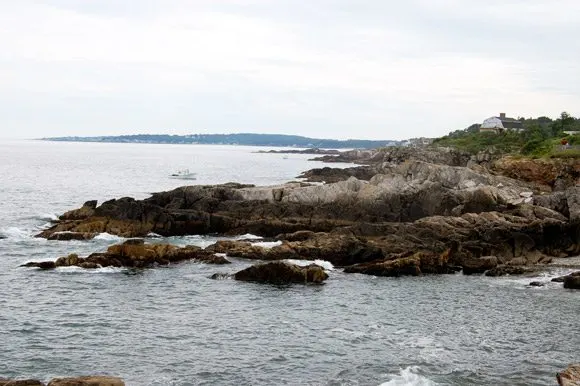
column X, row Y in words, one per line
column 536, row 284
column 66, row 236
column 478, row 265
column 572, row 281
column 281, row 272
column 296, row 236
column 406, row 266
column 135, row 254
column 90, row 204
column 41, row 265
column 220, row 276
column 330, row 175
column 502, row 270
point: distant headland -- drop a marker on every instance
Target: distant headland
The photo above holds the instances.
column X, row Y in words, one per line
column 248, row 139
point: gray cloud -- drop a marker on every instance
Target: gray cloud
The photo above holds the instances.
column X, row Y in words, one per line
column 328, row 68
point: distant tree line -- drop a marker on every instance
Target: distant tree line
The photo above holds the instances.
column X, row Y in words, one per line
column 247, row 139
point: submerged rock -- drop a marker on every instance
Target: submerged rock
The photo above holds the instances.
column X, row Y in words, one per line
column 502, row 270
column 87, row 381
column 74, row 381
column 570, row 376
column 20, row 382
column 281, row 272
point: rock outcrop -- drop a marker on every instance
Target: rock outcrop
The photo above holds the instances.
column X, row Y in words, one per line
column 281, row 272
column 419, row 202
column 398, row 155
column 410, row 191
column 557, row 174
column 570, row 376
column 329, row 175
column 134, row 254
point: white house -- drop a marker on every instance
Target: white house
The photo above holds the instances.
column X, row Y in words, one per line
column 499, row 124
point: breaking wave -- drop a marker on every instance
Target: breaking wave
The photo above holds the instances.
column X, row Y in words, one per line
column 107, row 237
column 14, row 233
column 409, row 377
column 326, row 265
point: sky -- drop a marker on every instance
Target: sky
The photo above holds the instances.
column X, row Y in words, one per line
column 373, row 69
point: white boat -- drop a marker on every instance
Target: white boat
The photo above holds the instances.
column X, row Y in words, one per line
column 183, row 174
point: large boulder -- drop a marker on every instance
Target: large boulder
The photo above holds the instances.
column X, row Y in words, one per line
column 572, row 281
column 281, row 272
column 406, row 266
column 478, row 265
column 87, row 381
column 422, row 262
column 570, row 376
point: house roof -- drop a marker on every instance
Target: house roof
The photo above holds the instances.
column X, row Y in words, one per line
column 501, row 123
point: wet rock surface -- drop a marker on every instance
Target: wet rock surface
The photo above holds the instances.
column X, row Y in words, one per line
column 281, row 272
column 134, row 254
column 417, row 206
column 570, row 376
column 71, row 381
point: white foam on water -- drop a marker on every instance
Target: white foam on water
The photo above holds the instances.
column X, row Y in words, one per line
column 153, row 235
column 14, row 233
column 326, row 265
column 47, row 217
column 267, row 244
column 107, row 237
column 523, row 281
column 248, row 236
column 409, row 377
column 75, row 269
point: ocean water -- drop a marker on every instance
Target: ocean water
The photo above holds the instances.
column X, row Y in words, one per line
column 175, row 326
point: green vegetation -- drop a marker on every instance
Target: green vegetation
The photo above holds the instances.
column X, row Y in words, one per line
column 539, row 137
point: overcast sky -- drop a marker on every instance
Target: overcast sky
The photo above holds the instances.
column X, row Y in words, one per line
column 377, row 69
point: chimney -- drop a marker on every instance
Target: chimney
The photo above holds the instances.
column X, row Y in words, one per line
column 502, row 116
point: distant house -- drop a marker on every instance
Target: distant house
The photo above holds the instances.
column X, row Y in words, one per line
column 499, row 124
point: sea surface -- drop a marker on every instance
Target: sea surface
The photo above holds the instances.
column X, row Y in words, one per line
column 175, row 326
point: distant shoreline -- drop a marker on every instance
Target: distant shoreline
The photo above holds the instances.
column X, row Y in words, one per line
column 242, row 139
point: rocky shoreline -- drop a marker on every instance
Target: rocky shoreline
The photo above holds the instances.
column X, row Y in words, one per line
column 409, row 212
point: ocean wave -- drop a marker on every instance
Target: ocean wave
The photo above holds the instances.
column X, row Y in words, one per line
column 14, row 233
column 47, row 217
column 107, row 237
column 75, row 269
column 326, row 265
column 267, row 244
column 409, row 377
column 248, row 236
